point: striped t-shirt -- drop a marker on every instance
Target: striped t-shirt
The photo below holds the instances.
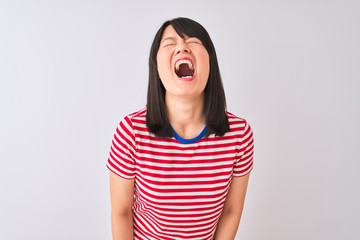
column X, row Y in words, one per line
column 180, row 186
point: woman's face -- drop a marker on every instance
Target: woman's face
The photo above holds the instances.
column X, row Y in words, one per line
column 183, row 64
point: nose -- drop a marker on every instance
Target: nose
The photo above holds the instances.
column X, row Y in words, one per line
column 182, row 48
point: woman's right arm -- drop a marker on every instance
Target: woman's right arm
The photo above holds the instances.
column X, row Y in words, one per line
column 122, row 196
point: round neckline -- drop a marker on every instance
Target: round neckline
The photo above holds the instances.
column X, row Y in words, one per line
column 191, row 140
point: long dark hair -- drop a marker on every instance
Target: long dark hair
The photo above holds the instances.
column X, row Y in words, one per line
column 214, row 105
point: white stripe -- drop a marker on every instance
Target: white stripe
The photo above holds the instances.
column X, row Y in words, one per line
column 187, row 151
column 187, row 194
column 179, row 187
column 209, row 157
column 198, row 218
column 184, row 172
column 184, row 165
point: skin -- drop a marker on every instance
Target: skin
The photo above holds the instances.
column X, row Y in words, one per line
column 231, row 214
column 184, row 101
column 122, row 197
column 172, row 48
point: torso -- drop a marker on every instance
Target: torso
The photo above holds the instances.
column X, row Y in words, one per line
column 180, row 188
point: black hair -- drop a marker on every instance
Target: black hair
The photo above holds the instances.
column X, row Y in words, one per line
column 214, row 103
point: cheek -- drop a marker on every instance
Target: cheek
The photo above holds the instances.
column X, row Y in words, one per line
column 205, row 63
column 162, row 62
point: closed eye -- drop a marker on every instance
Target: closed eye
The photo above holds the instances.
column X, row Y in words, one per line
column 169, row 41
column 168, row 44
column 194, row 40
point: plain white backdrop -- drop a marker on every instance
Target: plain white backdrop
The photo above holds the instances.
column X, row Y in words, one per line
column 71, row 70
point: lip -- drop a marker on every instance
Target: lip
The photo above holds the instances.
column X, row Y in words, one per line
column 185, row 79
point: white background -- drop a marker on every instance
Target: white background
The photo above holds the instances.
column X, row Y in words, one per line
column 71, row 70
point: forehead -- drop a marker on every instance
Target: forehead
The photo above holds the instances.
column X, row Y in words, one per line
column 170, row 32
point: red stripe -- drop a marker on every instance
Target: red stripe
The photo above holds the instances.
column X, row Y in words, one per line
column 165, row 176
column 186, row 155
column 186, row 148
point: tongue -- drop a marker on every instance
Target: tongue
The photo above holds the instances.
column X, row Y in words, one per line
column 184, row 71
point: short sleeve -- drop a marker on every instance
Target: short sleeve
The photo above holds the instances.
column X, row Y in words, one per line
column 245, row 151
column 121, row 159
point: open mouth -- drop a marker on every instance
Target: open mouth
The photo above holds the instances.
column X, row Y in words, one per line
column 184, row 69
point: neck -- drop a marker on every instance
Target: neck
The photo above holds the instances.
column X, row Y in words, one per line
column 186, row 114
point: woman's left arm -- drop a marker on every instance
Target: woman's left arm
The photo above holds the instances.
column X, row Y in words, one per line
column 231, row 214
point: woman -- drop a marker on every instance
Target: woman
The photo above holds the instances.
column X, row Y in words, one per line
column 179, row 169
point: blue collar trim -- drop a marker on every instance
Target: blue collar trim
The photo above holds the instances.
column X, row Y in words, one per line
column 192, row 140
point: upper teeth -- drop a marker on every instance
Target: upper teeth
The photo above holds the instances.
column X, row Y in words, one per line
column 178, row 63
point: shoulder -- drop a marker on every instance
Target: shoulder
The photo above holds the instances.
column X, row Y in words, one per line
column 138, row 116
column 235, row 120
column 134, row 123
column 141, row 114
column 238, row 124
column 130, row 121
